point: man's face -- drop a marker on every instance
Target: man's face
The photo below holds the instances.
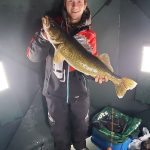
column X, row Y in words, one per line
column 75, row 9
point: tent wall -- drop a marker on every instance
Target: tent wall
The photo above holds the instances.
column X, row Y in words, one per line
column 122, row 28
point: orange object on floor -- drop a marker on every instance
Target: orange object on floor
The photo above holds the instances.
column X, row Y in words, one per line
column 109, row 148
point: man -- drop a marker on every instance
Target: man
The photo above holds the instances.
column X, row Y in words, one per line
column 68, row 118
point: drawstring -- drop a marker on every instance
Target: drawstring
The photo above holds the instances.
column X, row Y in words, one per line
column 68, row 85
column 68, row 68
column 66, row 22
column 85, row 83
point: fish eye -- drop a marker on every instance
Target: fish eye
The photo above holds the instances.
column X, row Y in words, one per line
column 52, row 23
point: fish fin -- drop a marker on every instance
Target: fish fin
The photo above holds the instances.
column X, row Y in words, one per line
column 106, row 60
column 58, row 57
column 124, row 85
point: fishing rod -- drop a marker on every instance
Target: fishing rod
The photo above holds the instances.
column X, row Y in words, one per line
column 135, row 2
column 112, row 130
column 107, row 2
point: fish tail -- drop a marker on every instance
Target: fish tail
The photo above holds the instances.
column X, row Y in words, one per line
column 124, row 85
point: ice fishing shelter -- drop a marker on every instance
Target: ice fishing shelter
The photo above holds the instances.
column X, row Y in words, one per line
column 123, row 29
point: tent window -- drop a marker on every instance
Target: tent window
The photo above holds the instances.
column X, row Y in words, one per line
column 3, row 80
column 145, row 67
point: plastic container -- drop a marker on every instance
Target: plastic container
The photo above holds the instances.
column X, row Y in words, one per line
column 103, row 144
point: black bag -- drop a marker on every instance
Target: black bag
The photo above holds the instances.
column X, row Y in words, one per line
column 145, row 145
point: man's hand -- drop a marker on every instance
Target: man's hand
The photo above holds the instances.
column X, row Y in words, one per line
column 100, row 79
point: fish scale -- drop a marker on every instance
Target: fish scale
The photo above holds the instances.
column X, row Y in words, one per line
column 69, row 49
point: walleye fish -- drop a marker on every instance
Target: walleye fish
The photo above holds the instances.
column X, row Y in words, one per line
column 69, row 49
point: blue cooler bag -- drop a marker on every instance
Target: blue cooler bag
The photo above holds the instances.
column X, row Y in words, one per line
column 103, row 144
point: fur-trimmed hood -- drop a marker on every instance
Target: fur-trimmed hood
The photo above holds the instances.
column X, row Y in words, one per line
column 85, row 20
